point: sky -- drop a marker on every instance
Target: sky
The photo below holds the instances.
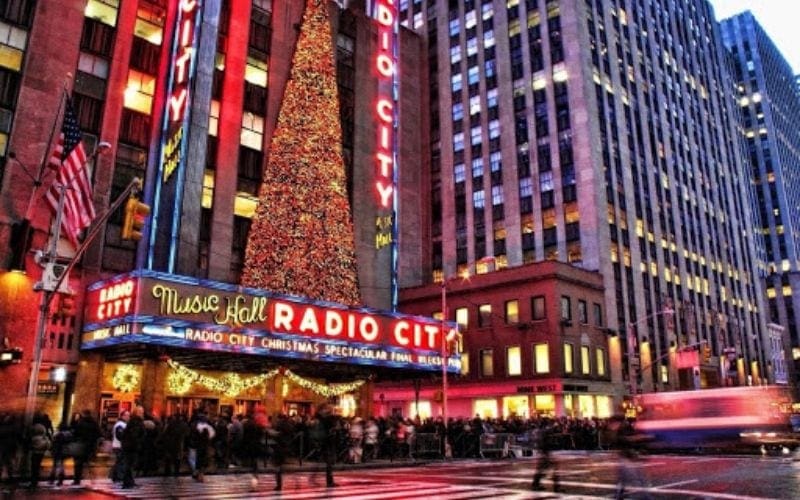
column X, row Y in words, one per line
column 778, row 19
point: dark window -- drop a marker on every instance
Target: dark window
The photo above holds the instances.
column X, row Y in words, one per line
column 145, row 56
column 17, row 11
column 538, row 307
column 9, row 88
column 255, row 99
column 583, row 314
column 89, row 111
column 97, row 38
column 566, row 308
column 260, row 31
column 134, row 128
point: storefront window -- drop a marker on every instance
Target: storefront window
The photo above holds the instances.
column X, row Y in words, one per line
column 515, row 406
column 605, row 406
column 544, row 404
column 569, row 406
column 424, row 410
column 586, row 405
column 486, row 408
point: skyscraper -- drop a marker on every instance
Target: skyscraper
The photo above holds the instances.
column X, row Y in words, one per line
column 770, row 109
column 604, row 134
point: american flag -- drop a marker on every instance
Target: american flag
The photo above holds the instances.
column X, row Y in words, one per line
column 69, row 161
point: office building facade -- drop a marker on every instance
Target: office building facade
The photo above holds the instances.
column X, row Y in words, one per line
column 602, row 134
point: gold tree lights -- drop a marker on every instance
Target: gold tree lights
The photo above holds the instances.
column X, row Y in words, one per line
column 301, row 237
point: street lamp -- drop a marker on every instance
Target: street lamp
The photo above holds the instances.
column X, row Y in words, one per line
column 449, row 336
column 633, row 373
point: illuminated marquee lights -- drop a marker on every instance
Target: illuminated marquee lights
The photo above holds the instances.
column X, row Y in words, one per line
column 385, row 160
column 166, row 309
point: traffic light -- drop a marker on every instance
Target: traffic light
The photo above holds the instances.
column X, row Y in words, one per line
column 136, row 214
column 10, row 356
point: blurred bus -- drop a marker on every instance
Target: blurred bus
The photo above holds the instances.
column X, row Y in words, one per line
column 729, row 417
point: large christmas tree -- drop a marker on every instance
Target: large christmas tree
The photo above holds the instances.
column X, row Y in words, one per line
column 301, row 238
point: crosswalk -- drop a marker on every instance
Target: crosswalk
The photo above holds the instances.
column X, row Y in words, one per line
column 307, row 486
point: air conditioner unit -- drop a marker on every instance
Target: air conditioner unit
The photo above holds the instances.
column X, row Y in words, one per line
column 50, row 276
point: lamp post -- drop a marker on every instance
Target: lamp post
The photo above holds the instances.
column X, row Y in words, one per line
column 448, row 337
column 633, row 373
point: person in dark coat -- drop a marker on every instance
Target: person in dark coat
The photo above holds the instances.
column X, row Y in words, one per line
column 201, row 432
column 38, row 445
column 171, row 443
column 85, row 433
column 328, row 423
column 10, row 433
column 544, row 442
column 281, row 434
column 132, row 439
column 58, row 451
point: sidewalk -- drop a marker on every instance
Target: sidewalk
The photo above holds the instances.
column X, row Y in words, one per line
column 99, row 468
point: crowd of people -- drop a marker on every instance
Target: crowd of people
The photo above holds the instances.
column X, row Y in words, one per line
column 143, row 444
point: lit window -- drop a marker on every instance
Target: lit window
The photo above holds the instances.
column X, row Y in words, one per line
column 93, row 65
column 455, row 54
column 256, row 72
column 514, row 360
column 586, row 367
column 464, row 363
column 569, row 360
column 541, row 358
column 244, row 205
column 207, row 200
column 497, row 195
column 512, row 312
column 485, row 315
column 456, row 82
column 459, row 173
column 252, row 134
column 149, row 23
column 475, row 135
column 479, row 199
column 104, row 11
column 213, row 119
column 462, row 318
column 474, row 105
column 139, row 92
column 600, row 361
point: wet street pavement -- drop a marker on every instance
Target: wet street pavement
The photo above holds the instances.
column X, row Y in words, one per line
column 581, row 475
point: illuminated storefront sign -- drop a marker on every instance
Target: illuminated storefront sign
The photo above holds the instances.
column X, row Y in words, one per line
column 159, row 308
column 385, row 66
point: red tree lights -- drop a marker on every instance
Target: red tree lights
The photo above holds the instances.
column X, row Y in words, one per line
column 301, row 238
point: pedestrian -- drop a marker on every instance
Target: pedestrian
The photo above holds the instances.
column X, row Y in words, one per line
column 252, row 447
column 58, row 450
column 201, row 432
column 132, row 439
column 9, row 443
column 628, row 443
column 544, row 442
column 85, row 433
column 328, row 432
column 38, row 445
column 281, row 433
column 371, row 432
column 116, row 445
column 171, row 443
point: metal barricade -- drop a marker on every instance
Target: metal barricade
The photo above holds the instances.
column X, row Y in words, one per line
column 495, row 444
column 425, row 444
column 523, row 445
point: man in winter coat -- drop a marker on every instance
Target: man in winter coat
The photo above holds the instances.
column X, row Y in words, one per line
column 85, row 433
column 132, row 438
column 39, row 443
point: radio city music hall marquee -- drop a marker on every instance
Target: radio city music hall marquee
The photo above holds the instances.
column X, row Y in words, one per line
column 164, row 309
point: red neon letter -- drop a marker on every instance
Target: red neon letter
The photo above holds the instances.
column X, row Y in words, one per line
column 385, row 65
column 176, row 103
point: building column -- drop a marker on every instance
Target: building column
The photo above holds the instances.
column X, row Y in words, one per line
column 89, row 382
column 153, row 386
column 365, row 395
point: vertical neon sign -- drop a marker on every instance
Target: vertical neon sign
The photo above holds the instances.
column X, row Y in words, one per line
column 386, row 165
column 174, row 129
